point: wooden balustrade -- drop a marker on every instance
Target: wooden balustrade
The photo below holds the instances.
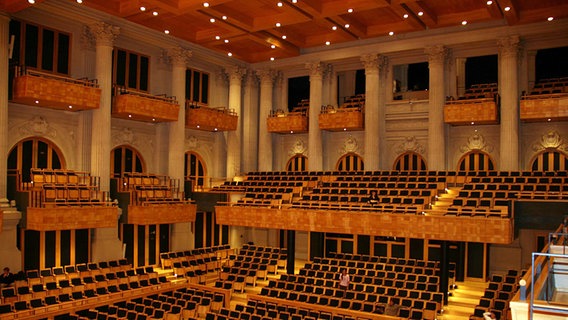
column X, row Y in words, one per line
column 210, row 119
column 141, row 106
column 474, row 111
column 546, row 107
column 162, row 213
column 70, row 217
column 342, row 119
column 46, row 90
column 293, row 122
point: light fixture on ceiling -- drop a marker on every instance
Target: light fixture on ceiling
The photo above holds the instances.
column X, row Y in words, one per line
column 79, row 1
column 279, row 4
column 212, row 20
column 217, row 37
column 391, row 33
column 327, row 43
column 271, row 58
column 142, row 8
column 206, row 4
column 70, row 107
column 420, row 13
column 273, row 46
column 550, row 18
column 294, row 1
column 31, row 1
column 350, row 10
column 347, row 26
column 278, row 24
column 334, row 28
column 167, row 31
column 155, row 13
column 230, row 54
column 464, row 23
column 507, row 9
column 284, row 36
column 489, row 2
column 226, row 40
column 405, row 16
column 224, row 17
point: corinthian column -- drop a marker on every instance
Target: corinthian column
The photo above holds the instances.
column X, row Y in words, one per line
column 105, row 35
column 509, row 92
column 436, row 127
column 234, row 137
column 264, row 137
column 4, row 35
column 250, row 120
column 374, row 109
column 176, row 142
column 315, row 158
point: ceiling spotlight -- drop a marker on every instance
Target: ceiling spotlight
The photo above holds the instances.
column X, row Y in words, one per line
column 327, row 43
column 507, row 8
column 294, row 1
column 70, row 107
column 167, row 31
column 130, row 116
column 226, row 40
column 224, row 17
column 278, row 24
column 472, row 123
column 271, row 58
column 153, row 119
column 350, row 10
column 155, row 13
column 284, row 37
column 405, row 16
column 212, row 20
column 489, row 2
column 142, row 8
column 279, row 4
column 230, row 54
column 347, row 26
column 31, row 1
column 464, row 23
column 391, row 33
column 291, row 131
column 550, row 18
column 37, row 101
column 420, row 13
column 217, row 38
column 79, row 1
column 215, row 129
column 273, row 46
column 206, row 4
column 334, row 28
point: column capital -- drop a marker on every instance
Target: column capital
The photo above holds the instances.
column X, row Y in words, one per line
column 250, row 77
column 436, row 54
column 104, row 33
column 374, row 62
column 4, row 16
column 509, row 46
column 266, row 75
column 236, row 73
column 316, row 69
column 179, row 56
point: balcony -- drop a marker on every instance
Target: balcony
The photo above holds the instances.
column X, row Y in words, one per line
column 141, row 106
column 71, row 217
column 342, row 119
column 471, row 111
column 46, row 90
column 544, row 107
column 291, row 122
column 162, row 213
column 201, row 117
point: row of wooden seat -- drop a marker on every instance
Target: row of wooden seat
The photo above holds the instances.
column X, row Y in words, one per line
column 219, row 252
column 439, row 173
column 80, row 269
column 358, row 206
column 59, row 176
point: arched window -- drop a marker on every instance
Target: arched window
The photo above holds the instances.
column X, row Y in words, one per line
column 298, row 162
column 476, row 160
column 126, row 159
column 410, row 161
column 34, row 153
column 550, row 160
column 350, row 162
column 195, row 169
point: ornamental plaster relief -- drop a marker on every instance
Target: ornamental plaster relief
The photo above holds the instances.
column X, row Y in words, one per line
column 550, row 140
column 350, row 145
column 476, row 142
column 142, row 142
column 409, row 144
column 299, row 147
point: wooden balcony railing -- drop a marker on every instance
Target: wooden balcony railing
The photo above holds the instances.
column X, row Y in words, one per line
column 544, row 107
column 47, row 90
column 201, row 117
column 142, row 106
column 341, row 119
column 291, row 122
column 471, row 111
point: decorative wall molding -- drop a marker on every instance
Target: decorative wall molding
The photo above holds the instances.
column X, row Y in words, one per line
column 410, row 144
column 299, row 147
column 350, row 145
column 476, row 142
column 38, row 126
column 550, row 140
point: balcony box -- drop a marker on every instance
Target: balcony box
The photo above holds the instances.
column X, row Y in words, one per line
column 210, row 119
column 69, row 218
column 293, row 122
column 140, row 106
column 545, row 107
column 342, row 119
column 162, row 213
column 469, row 112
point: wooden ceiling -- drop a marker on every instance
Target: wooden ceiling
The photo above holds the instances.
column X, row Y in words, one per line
column 248, row 28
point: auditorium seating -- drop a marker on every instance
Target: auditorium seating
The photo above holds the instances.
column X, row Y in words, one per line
column 480, row 91
column 147, row 188
column 497, row 295
column 207, row 258
column 550, row 86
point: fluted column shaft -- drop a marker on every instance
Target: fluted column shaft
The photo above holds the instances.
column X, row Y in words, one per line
column 315, row 159
column 265, row 152
column 374, row 122
column 234, row 137
column 176, row 141
column 101, row 128
column 4, row 38
column 436, row 128
column 509, row 92
column 250, row 122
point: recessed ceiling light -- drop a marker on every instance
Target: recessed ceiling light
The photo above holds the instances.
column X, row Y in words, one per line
column 344, row 129
column 79, row 1
column 279, row 4
column 206, row 4
column 464, row 23
column 278, row 24
column 334, row 28
column 271, row 58
column 37, row 101
column 155, row 13
column 217, row 38
column 198, row 126
column 472, row 123
column 273, row 46
column 350, row 10
column 31, row 1
column 347, row 26
column 167, row 31
column 489, row 2
column 224, row 17
column 405, row 16
column 142, row 8
column 391, row 33
column 327, row 43
column 550, row 18
column 548, row 119
column 130, row 116
column 70, row 107
column 420, row 13
column 507, row 8
column 294, row 1
column 153, row 119
column 226, row 40
column 212, row 20
column 230, row 54
column 284, row 37
column 215, row 129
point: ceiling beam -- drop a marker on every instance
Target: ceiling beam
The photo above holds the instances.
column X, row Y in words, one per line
column 356, row 30
column 428, row 16
column 494, row 10
column 512, row 16
column 413, row 20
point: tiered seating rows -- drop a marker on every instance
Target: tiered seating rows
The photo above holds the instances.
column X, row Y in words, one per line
column 497, row 295
column 219, row 252
column 550, row 86
column 150, row 188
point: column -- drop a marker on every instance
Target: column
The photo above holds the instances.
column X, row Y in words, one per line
column 374, row 121
column 436, row 128
column 509, row 92
column 250, row 123
column 234, row 137
column 105, row 35
column 460, row 77
column 315, row 159
column 9, row 236
column 265, row 137
column 332, row 78
column 176, row 141
column 4, row 38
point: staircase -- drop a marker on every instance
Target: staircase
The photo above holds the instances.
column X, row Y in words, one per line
column 463, row 299
column 444, row 200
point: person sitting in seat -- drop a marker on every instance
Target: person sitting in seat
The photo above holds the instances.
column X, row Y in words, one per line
column 373, row 198
column 392, row 309
column 7, row 278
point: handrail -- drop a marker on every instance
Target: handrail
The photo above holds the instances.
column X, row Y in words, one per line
column 544, row 96
column 196, row 105
column 25, row 71
column 541, row 280
column 122, row 90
